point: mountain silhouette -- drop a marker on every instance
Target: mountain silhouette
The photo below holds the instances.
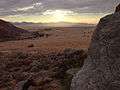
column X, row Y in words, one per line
column 8, row 31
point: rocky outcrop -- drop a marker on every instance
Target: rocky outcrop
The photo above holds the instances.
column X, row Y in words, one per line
column 117, row 8
column 101, row 70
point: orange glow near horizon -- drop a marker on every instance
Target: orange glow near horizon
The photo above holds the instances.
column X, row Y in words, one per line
column 56, row 16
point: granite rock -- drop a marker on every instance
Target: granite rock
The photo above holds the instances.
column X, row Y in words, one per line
column 101, row 70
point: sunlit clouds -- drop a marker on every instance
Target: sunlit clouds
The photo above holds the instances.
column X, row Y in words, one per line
column 33, row 6
column 58, row 15
column 46, row 11
column 25, row 8
column 54, row 16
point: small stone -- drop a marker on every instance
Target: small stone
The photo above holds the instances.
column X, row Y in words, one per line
column 23, row 85
column 19, row 85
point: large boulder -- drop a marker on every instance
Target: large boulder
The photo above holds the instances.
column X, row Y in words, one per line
column 101, row 70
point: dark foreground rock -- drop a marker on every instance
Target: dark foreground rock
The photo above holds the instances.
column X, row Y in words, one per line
column 101, row 70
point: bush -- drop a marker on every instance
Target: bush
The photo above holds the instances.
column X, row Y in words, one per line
column 31, row 45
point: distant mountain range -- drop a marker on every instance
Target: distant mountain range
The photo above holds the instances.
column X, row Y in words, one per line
column 59, row 24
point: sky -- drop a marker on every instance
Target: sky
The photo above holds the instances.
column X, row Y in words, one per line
column 47, row 11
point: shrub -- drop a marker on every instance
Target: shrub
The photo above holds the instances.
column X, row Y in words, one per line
column 31, row 45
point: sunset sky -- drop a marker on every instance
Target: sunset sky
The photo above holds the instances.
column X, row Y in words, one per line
column 46, row 11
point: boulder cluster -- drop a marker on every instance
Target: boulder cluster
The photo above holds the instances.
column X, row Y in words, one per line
column 36, row 70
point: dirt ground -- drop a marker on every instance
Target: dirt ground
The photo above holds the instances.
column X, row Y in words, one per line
column 59, row 39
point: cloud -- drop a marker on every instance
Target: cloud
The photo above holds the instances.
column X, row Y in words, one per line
column 28, row 7
column 25, row 8
column 53, row 12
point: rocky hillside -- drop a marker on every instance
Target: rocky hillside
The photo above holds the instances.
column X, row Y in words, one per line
column 9, row 31
column 101, row 70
